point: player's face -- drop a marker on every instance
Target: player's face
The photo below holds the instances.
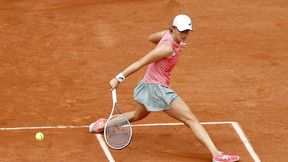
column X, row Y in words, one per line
column 181, row 36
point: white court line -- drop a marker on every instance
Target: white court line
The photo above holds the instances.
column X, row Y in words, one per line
column 244, row 139
column 85, row 126
column 104, row 147
column 44, row 127
column 175, row 124
column 235, row 125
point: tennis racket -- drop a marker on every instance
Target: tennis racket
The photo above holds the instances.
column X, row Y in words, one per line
column 117, row 130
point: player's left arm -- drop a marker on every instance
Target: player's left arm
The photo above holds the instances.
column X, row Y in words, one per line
column 156, row 37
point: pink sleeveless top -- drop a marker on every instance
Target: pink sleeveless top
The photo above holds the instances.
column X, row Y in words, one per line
column 159, row 72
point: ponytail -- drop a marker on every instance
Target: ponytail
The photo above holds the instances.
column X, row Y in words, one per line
column 171, row 28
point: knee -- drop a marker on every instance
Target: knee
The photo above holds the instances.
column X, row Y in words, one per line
column 191, row 120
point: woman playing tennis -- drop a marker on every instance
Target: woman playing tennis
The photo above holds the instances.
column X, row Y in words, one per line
column 153, row 92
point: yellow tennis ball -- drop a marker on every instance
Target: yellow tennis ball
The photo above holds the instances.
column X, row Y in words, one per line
column 39, row 136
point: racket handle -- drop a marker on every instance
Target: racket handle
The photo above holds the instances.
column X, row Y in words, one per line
column 114, row 96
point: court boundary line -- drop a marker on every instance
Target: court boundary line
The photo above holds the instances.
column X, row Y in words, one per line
column 105, row 148
column 99, row 137
column 43, row 127
column 245, row 141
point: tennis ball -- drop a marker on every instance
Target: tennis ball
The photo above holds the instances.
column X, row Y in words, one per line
column 39, row 136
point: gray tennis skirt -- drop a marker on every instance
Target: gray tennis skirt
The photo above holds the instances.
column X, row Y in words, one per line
column 153, row 96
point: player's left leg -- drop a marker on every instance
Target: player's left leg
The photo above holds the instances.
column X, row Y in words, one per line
column 139, row 113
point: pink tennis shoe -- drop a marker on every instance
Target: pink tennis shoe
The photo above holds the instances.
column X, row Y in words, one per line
column 98, row 126
column 223, row 157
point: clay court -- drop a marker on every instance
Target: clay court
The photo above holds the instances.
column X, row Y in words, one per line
column 57, row 58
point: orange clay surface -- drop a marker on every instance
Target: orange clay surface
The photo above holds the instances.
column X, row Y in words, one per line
column 57, row 58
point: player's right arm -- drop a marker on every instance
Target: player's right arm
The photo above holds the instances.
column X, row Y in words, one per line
column 163, row 51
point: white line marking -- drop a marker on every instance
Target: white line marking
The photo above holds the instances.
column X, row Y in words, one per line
column 104, row 147
column 44, row 127
column 235, row 125
column 175, row 124
column 244, row 139
column 85, row 126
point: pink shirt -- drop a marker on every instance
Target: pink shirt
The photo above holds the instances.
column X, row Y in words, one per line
column 160, row 71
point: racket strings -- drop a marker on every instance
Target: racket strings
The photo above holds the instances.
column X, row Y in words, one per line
column 118, row 132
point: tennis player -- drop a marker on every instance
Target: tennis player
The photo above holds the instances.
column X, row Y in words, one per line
column 153, row 92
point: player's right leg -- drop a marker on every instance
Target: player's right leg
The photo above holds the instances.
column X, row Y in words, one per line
column 139, row 113
column 180, row 111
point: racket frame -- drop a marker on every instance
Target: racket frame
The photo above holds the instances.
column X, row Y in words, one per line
column 114, row 99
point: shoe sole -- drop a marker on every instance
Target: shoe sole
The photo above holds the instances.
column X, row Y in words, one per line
column 225, row 161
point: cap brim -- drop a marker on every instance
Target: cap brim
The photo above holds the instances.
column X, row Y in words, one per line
column 184, row 28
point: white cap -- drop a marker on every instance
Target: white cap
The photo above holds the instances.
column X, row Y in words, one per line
column 182, row 22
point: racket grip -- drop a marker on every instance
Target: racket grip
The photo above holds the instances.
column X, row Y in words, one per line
column 114, row 96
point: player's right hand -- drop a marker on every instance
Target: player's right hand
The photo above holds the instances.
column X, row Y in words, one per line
column 183, row 44
column 113, row 84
